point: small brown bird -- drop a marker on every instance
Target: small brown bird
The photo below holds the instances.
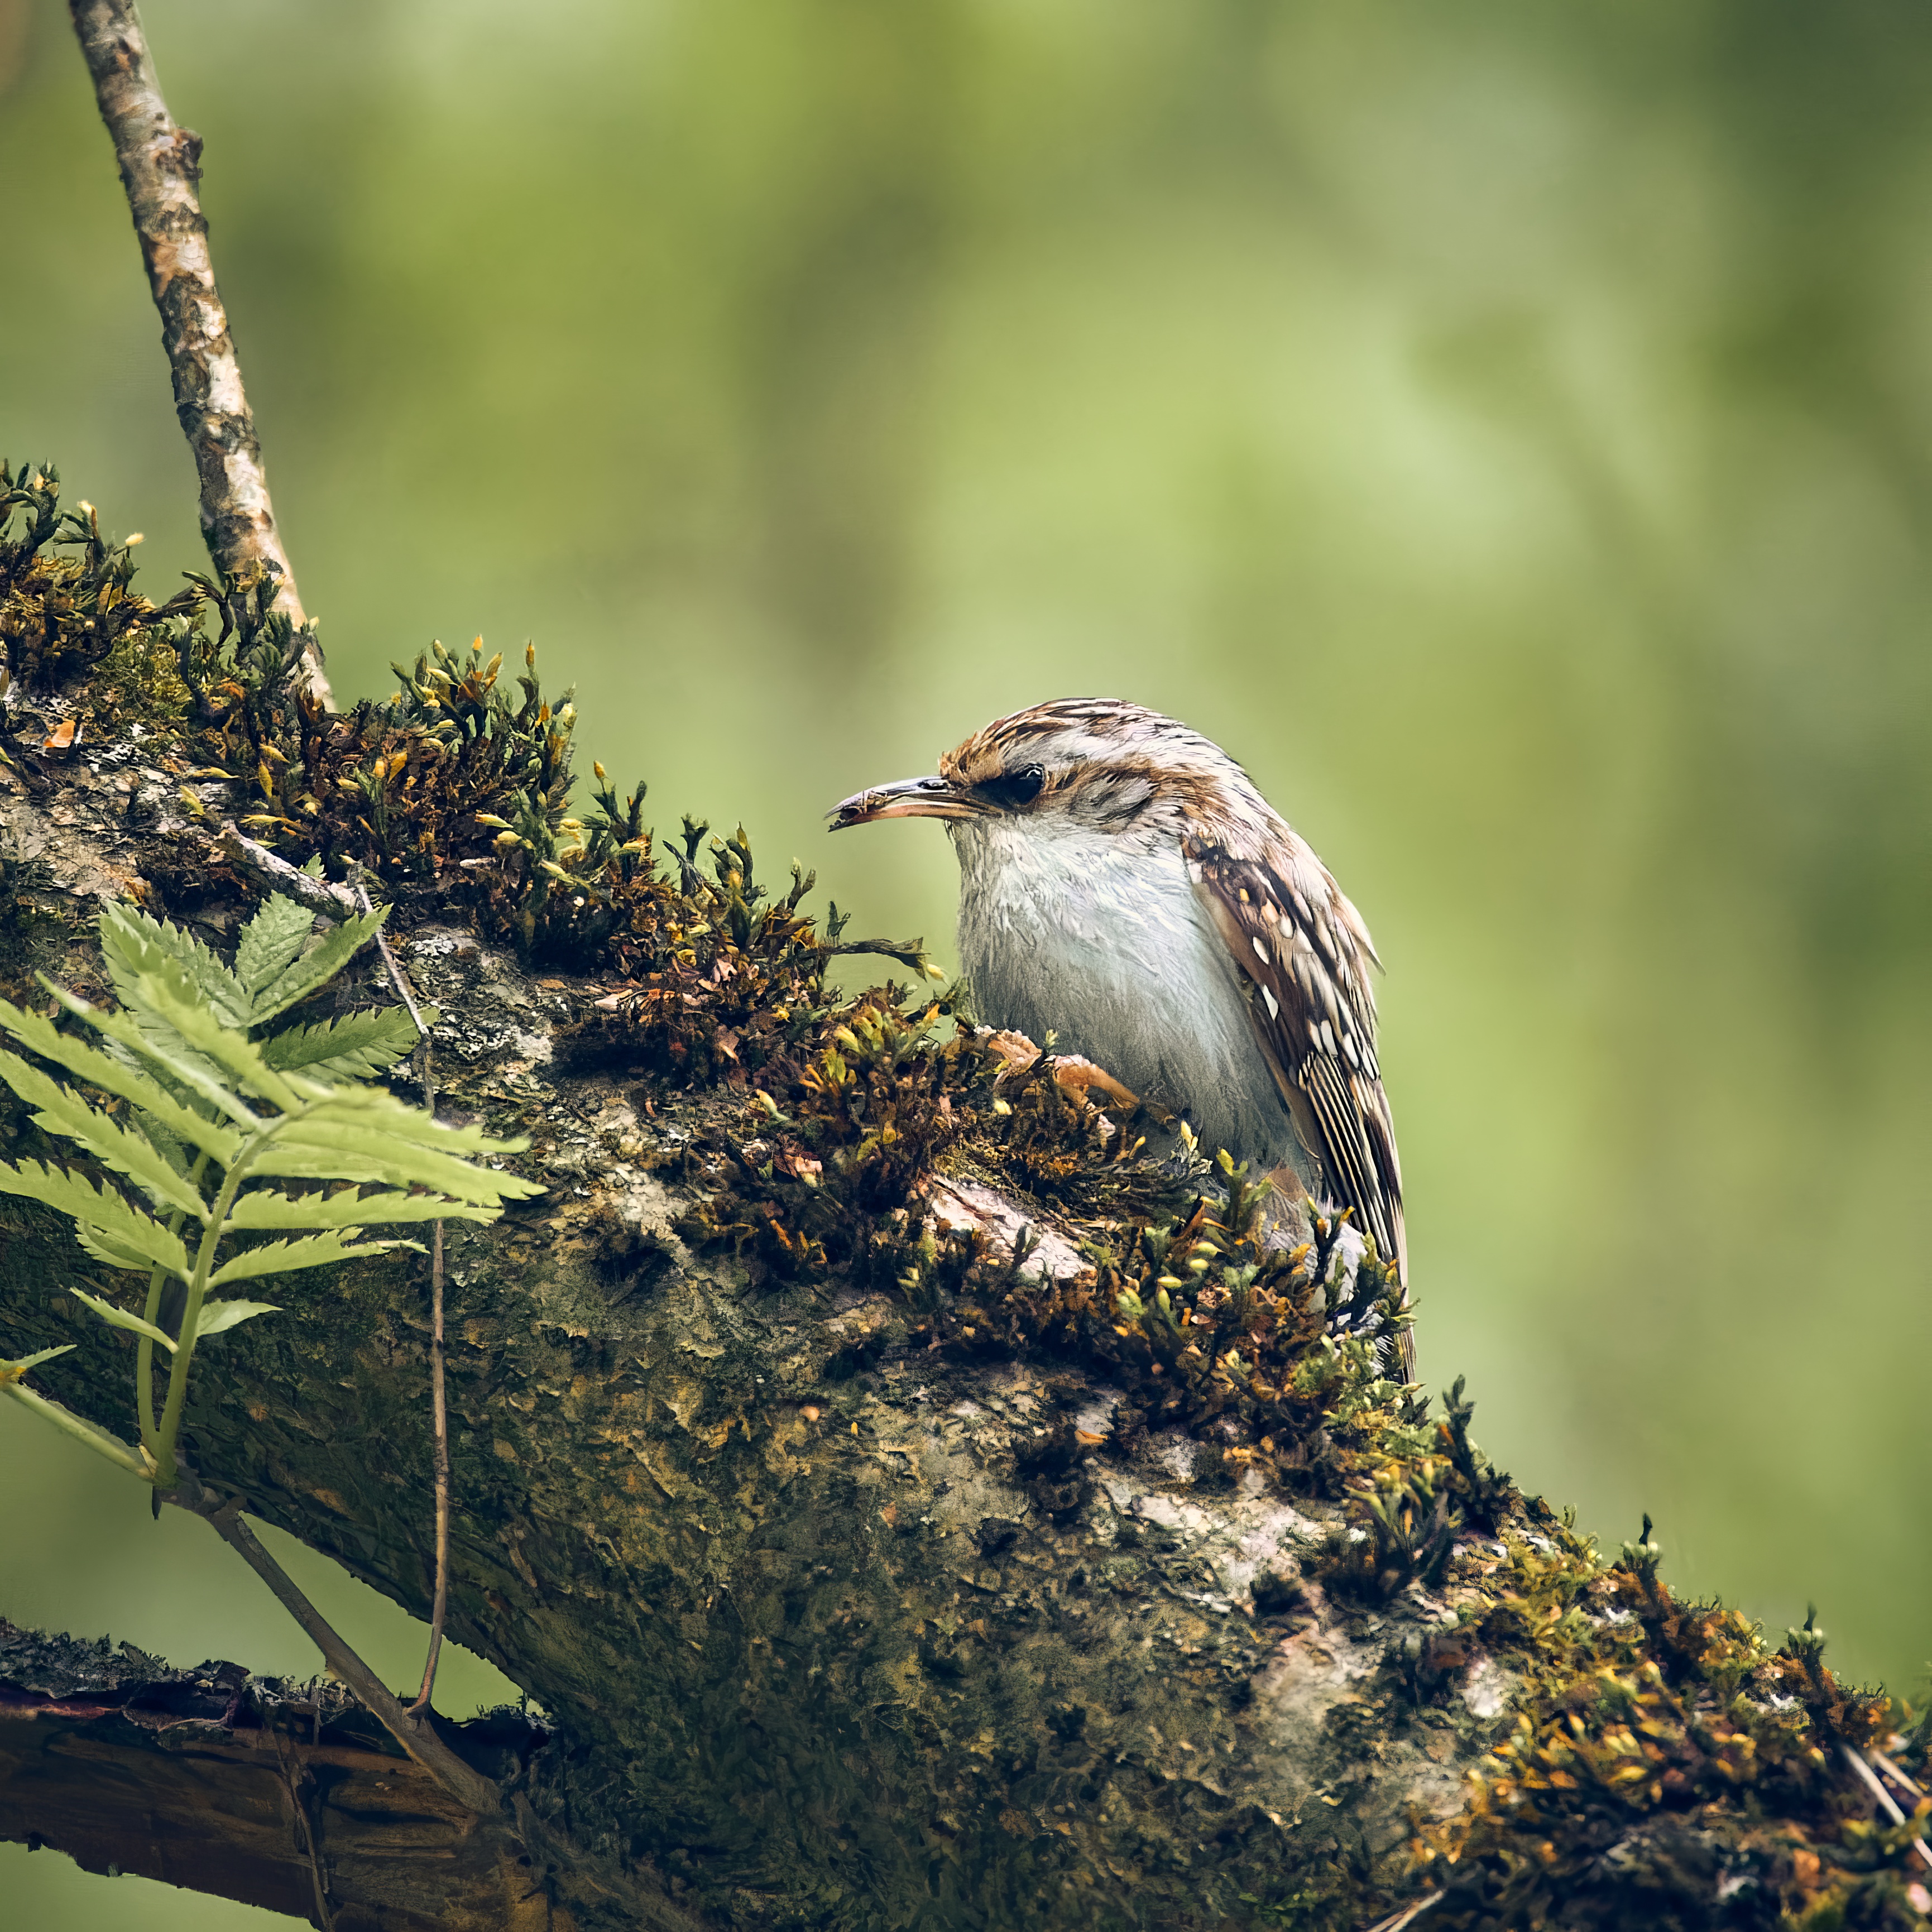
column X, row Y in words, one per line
column 1123, row 885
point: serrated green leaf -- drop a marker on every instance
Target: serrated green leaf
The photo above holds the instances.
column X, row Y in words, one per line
column 119, row 1317
column 307, row 1251
column 350, row 1048
column 13, row 1371
column 134, row 946
column 216, row 1315
column 379, row 1110
column 63, row 1111
column 161, row 1045
column 270, row 943
column 347, row 1207
column 227, row 1046
column 102, row 1211
column 403, row 1163
column 340, row 945
column 376, row 1169
column 113, row 1076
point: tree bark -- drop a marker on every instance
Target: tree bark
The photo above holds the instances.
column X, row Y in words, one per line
column 161, row 171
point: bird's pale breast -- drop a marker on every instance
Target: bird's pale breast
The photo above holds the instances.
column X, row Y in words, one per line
column 1104, row 941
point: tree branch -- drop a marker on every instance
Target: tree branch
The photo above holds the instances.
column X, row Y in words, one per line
column 161, row 171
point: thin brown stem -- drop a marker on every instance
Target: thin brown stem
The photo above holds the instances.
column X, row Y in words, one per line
column 438, row 1409
column 470, row 1788
column 441, row 1604
column 161, row 171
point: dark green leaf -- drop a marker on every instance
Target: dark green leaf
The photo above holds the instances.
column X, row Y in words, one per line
column 340, row 945
column 270, row 943
column 350, row 1048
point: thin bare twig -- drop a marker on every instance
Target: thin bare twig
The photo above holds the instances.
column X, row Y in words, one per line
column 336, row 902
column 1408, row 1916
column 440, row 1606
column 161, row 171
column 470, row 1788
column 438, row 1408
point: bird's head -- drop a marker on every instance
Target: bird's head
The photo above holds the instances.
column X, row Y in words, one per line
column 1094, row 763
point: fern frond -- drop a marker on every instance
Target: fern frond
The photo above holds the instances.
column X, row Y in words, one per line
column 216, row 1315
column 228, row 1048
column 270, row 943
column 313, row 969
column 133, row 945
column 62, row 1112
column 103, row 1212
column 307, row 1251
column 114, row 1076
column 347, row 1207
column 349, row 1048
column 119, row 1317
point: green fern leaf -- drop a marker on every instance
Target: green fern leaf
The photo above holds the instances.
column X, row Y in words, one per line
column 348, row 1208
column 103, row 1213
column 216, row 1315
column 114, row 1075
column 349, row 1048
column 380, row 1110
column 406, row 1162
column 306, row 1252
column 227, row 1046
column 381, row 1168
column 63, row 1111
column 133, row 945
column 119, row 1317
column 161, row 1045
column 270, row 944
column 339, row 946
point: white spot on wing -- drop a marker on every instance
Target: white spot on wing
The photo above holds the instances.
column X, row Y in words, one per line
column 1273, row 1004
column 1260, row 951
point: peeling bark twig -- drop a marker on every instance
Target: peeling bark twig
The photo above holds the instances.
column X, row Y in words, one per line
column 327, row 901
column 161, row 171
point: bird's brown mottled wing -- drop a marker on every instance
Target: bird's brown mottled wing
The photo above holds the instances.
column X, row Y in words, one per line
column 1316, row 1017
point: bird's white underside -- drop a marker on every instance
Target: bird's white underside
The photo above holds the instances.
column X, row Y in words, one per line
column 1105, row 940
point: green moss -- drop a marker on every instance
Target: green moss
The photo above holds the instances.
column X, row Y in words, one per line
column 66, row 607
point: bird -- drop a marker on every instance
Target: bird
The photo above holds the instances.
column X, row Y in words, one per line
column 1124, row 887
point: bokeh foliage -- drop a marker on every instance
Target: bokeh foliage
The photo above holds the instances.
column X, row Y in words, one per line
column 1504, row 428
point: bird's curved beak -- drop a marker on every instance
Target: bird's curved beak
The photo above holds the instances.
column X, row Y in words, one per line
column 906, row 798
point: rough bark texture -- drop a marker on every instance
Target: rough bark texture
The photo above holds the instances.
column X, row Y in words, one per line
column 161, row 169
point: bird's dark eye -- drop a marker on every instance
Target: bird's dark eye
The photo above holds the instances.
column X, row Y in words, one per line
column 1012, row 790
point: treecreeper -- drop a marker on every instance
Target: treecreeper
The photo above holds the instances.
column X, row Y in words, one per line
column 1125, row 888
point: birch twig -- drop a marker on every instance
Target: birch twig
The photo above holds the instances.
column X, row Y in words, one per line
column 161, row 171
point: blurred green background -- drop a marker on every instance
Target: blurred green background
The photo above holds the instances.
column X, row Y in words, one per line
column 1504, row 427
